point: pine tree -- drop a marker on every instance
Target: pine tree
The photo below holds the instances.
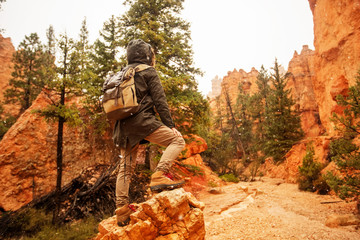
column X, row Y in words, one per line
column 102, row 57
column 309, row 171
column 159, row 23
column 244, row 122
column 344, row 151
column 65, row 84
column 107, row 49
column 257, row 106
column 28, row 77
column 282, row 123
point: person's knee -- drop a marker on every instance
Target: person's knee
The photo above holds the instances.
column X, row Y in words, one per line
column 181, row 142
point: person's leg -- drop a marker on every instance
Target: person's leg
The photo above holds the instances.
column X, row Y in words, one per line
column 174, row 144
column 126, row 168
column 165, row 137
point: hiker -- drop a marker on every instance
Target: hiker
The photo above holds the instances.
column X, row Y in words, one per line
column 130, row 132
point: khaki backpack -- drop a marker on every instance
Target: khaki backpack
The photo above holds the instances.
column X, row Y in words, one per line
column 119, row 99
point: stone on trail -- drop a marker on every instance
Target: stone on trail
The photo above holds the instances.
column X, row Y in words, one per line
column 337, row 220
column 169, row 215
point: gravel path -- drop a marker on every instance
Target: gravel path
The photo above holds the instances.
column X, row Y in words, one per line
column 272, row 209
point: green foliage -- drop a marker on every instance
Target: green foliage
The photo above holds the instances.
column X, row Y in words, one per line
column 212, row 184
column 70, row 114
column 159, row 23
column 197, row 171
column 28, row 76
column 106, row 50
column 25, row 222
column 310, row 178
column 6, row 121
column 244, row 121
column 220, row 150
column 229, row 178
column 282, row 124
column 343, row 151
column 36, row 224
column 67, row 83
column 258, row 107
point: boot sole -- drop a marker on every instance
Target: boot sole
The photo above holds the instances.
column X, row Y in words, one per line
column 162, row 187
column 124, row 223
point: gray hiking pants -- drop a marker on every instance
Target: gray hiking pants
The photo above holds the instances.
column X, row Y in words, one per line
column 163, row 136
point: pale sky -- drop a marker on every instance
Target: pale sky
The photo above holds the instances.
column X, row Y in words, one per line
column 226, row 34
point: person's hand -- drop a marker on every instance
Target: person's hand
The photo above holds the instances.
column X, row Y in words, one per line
column 176, row 132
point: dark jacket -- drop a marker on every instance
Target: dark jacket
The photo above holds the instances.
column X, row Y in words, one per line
column 132, row 130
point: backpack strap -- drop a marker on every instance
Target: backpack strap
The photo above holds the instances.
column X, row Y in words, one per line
column 141, row 67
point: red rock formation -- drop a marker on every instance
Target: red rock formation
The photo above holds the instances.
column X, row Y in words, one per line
column 289, row 169
column 337, row 52
column 300, row 82
column 6, row 68
column 28, row 157
column 168, row 215
column 231, row 83
column 194, row 147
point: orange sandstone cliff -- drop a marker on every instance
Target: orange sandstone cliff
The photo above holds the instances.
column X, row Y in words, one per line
column 335, row 63
column 337, row 52
column 300, row 81
column 28, row 156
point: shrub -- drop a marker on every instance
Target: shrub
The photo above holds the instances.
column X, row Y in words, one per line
column 310, row 178
column 229, row 178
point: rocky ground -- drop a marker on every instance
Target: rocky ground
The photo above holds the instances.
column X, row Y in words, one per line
column 272, row 209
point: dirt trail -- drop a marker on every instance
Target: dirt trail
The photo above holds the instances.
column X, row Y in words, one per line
column 272, row 209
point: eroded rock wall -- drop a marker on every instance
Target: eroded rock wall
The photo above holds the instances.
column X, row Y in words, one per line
column 337, row 52
column 300, row 81
column 28, row 156
column 230, row 84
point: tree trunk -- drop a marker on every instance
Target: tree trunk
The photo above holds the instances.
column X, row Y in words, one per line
column 59, row 158
column 238, row 140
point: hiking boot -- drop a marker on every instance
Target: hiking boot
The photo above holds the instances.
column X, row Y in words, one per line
column 161, row 181
column 123, row 214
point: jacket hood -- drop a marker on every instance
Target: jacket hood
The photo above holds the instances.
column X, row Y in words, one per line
column 139, row 51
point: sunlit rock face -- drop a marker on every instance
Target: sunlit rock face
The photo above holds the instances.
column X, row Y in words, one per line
column 28, row 156
column 168, row 215
column 230, row 85
column 300, row 81
column 337, row 52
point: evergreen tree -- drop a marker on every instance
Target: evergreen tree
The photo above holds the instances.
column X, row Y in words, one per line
column 65, row 84
column 159, row 23
column 103, row 57
column 107, row 50
column 257, row 106
column 344, row 151
column 28, row 76
column 282, row 123
column 244, row 122
column 50, row 35
column 309, row 171
column 6, row 121
column 83, row 50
